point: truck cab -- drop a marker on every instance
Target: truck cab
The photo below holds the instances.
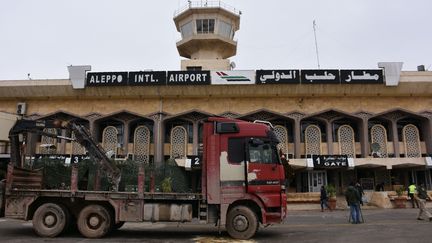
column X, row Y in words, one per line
column 244, row 175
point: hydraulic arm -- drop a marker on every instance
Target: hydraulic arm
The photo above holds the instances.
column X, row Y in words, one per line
column 82, row 136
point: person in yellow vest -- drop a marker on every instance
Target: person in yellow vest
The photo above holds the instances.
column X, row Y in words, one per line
column 412, row 190
column 421, row 197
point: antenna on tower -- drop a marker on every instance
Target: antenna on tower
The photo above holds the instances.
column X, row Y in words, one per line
column 316, row 43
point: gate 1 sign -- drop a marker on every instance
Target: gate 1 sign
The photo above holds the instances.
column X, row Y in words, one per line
column 330, row 161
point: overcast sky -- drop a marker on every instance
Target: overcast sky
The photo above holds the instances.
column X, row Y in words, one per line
column 43, row 37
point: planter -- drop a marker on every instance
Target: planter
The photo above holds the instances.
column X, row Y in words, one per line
column 400, row 202
column 332, row 203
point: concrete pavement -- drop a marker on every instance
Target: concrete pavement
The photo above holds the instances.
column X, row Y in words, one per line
column 381, row 225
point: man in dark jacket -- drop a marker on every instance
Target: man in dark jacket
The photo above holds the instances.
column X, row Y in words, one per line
column 323, row 199
column 353, row 199
column 360, row 190
column 421, row 198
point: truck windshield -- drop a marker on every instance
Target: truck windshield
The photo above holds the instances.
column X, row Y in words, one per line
column 265, row 152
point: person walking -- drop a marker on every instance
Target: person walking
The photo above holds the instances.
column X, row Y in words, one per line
column 353, row 199
column 412, row 189
column 323, row 199
column 421, row 197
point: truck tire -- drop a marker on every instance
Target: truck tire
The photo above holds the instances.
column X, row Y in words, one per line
column 94, row 221
column 242, row 223
column 71, row 221
column 49, row 220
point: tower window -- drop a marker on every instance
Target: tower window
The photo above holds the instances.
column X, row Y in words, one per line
column 187, row 29
column 205, row 26
column 225, row 29
column 194, row 68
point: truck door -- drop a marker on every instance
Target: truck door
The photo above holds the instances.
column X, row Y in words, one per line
column 264, row 170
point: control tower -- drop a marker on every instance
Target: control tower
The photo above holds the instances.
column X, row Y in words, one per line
column 207, row 29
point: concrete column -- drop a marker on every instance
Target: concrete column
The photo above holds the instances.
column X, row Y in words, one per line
column 62, row 144
column 92, row 129
column 93, row 133
column 195, row 142
column 395, row 139
column 126, row 136
column 297, row 139
column 32, row 140
column 364, row 138
column 158, row 138
column 329, row 131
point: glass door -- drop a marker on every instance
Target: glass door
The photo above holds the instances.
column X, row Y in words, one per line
column 316, row 180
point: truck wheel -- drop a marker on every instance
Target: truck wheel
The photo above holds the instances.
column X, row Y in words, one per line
column 69, row 219
column 94, row 221
column 242, row 223
column 49, row 220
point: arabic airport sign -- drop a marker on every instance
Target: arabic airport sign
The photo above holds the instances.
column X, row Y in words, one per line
column 282, row 76
column 233, row 77
column 320, row 76
column 371, row 76
column 147, row 78
column 330, row 161
column 277, row 76
column 107, row 79
column 188, row 77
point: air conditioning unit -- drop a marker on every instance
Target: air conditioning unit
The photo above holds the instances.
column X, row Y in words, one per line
column 21, row 108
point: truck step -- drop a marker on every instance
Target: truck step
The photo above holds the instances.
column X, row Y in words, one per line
column 203, row 214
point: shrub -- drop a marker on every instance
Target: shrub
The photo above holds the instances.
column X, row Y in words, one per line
column 400, row 191
column 331, row 190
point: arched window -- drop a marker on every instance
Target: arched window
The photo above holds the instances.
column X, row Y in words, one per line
column 142, row 144
column 49, row 144
column 379, row 136
column 313, row 140
column 282, row 135
column 178, row 142
column 346, row 141
column 411, row 141
column 109, row 139
column 76, row 147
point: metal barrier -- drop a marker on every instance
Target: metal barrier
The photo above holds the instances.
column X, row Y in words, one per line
column 206, row 4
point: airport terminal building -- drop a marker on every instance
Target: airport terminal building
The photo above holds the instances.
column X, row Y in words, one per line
column 335, row 126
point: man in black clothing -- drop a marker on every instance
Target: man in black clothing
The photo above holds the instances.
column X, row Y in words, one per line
column 353, row 199
column 360, row 190
column 323, row 199
column 421, row 197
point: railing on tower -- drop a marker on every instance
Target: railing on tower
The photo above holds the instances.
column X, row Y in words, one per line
column 207, row 4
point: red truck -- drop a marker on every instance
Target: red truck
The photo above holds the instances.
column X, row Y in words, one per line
column 241, row 185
